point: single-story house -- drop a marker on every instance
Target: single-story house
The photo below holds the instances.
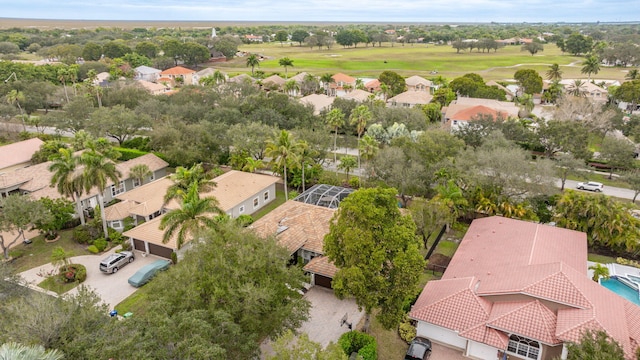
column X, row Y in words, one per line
column 410, row 99
column 590, row 90
column 463, row 117
column 319, row 102
column 418, row 83
column 18, row 155
column 358, row 95
column 178, row 72
column 372, row 86
column 152, row 87
column 520, row 290
column 242, row 78
column 204, row 73
column 462, row 103
column 237, row 193
column 273, row 82
column 146, row 73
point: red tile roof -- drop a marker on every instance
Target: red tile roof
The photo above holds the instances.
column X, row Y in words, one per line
column 533, row 279
column 475, row 112
column 177, row 70
column 340, row 77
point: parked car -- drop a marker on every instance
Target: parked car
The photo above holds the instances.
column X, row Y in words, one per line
column 147, row 272
column 113, row 262
column 591, row 186
column 420, row 349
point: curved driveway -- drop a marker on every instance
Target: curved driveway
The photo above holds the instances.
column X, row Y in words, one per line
column 112, row 289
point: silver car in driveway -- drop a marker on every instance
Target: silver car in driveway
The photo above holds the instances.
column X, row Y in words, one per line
column 113, row 262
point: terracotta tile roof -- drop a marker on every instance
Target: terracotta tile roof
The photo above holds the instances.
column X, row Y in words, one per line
column 373, row 84
column 119, row 211
column 302, row 225
column 322, row 266
column 19, row 152
column 177, row 70
column 463, row 103
column 482, row 333
column 411, row 97
column 475, row 112
column 530, row 319
column 344, row 78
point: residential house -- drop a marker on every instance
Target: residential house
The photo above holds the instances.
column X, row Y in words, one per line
column 463, row 117
column 418, row 83
column 410, row 99
column 18, row 155
column 509, row 94
column 590, row 90
column 146, row 73
column 372, row 86
column 205, row 73
column 520, row 290
column 102, row 79
column 300, row 79
column 238, row 193
column 179, row 75
column 273, row 82
column 507, row 109
column 359, row 95
column 242, row 78
column 153, row 88
column 253, row 38
column 341, row 83
column 319, row 102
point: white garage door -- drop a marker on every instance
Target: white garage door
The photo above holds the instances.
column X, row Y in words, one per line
column 441, row 335
column 482, row 351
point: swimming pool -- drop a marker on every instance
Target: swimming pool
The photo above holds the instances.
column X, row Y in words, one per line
column 621, row 289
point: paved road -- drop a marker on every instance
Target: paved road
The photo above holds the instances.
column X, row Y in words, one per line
column 608, row 190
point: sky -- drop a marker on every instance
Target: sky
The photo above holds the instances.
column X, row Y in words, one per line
column 423, row 11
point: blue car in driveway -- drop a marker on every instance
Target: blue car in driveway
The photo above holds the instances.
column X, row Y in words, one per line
column 147, row 272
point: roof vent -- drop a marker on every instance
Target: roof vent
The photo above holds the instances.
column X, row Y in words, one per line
column 281, row 228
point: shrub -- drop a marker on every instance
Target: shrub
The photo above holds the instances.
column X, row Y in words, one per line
column 93, row 249
column 293, row 194
column 174, row 258
column 138, row 143
column 115, row 236
column 82, row 235
column 369, row 351
column 101, row 244
column 244, row 220
column 623, row 261
column 128, row 154
column 354, row 182
column 329, row 178
column 73, row 272
column 126, row 245
column 406, row 330
column 353, row 341
column 81, row 273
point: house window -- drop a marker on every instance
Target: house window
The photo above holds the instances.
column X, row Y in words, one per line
column 266, row 195
column 117, row 189
column 152, row 177
column 117, row 224
column 524, row 347
column 455, row 122
column 241, row 209
column 136, row 183
column 256, row 202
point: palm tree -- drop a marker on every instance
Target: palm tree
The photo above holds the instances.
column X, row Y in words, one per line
column 184, row 178
column 252, row 164
column 252, row 62
column 15, row 97
column 291, row 86
column 360, row 116
column 335, row 119
column 15, row 351
column 590, row 66
column 633, row 74
column 526, row 101
column 194, row 213
column 282, row 150
column 66, row 74
column 554, row 73
column 286, row 62
column 599, row 271
column 347, row 163
column 91, row 86
column 219, row 77
column 99, row 169
column 67, row 179
column 576, row 88
column 139, row 173
column 368, row 147
column 326, row 80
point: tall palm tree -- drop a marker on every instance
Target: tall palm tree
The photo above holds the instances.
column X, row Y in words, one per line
column 360, row 116
column 283, row 149
column 184, row 178
column 140, row 172
column 590, row 66
column 291, row 86
column 15, row 97
column 69, row 73
column 66, row 178
column 554, row 73
column 286, row 62
column 576, row 88
column 252, row 62
column 347, row 163
column 326, row 80
column 368, row 147
column 194, row 213
column 99, row 169
column 633, row 74
column 335, row 119
column 219, row 77
column 252, row 164
column 92, row 87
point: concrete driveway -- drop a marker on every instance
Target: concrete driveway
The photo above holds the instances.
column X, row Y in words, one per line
column 112, row 289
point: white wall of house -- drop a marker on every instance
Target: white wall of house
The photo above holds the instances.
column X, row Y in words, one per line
column 481, row 351
column 441, row 335
column 254, row 203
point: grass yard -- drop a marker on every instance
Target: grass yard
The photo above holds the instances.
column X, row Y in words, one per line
column 39, row 252
column 51, row 283
column 603, row 259
column 417, row 59
column 136, row 303
column 272, row 205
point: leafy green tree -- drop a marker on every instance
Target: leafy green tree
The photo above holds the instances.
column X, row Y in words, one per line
column 533, row 47
column 183, row 178
column 376, row 252
column 444, row 96
column 252, row 62
column 394, row 81
column 292, row 347
column 135, row 60
column 286, row 62
column 195, row 54
column 115, row 49
column 629, row 91
column 282, row 36
column 347, row 163
column 429, row 216
column 299, row 36
column 75, row 115
column 595, row 346
column 632, row 177
column 92, row 51
column 61, row 211
column 148, row 49
column 335, row 119
column 18, row 214
column 194, row 214
column 566, row 165
column 529, row 81
column 618, row 153
column 633, row 74
column 577, row 44
column 554, row 73
column 227, row 45
column 590, row 66
column 117, row 122
column 283, row 149
column 15, row 97
column 172, row 48
column 15, row 351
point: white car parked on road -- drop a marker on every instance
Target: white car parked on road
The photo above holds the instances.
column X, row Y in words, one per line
column 591, row 186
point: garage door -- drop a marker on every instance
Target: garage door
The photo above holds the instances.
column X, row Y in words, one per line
column 160, row 251
column 139, row 245
column 322, row 281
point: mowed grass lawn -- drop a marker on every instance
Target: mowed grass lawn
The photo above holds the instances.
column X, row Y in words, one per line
column 417, row 59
